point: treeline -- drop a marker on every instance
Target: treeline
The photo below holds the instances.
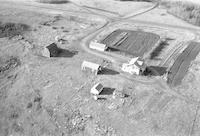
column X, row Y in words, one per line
column 187, row 11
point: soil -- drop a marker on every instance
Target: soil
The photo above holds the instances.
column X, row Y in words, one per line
column 135, row 43
column 182, row 63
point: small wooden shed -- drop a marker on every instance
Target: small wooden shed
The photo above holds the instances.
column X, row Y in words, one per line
column 93, row 67
column 53, row 50
column 96, row 89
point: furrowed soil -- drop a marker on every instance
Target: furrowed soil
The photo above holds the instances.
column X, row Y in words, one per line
column 182, row 63
column 134, row 42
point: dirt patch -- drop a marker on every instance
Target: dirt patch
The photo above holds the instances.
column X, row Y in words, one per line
column 9, row 64
column 11, row 29
column 132, row 42
column 182, row 63
column 53, row 1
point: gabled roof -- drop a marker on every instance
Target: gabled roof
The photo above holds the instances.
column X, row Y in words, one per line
column 99, row 87
column 137, row 61
column 139, row 66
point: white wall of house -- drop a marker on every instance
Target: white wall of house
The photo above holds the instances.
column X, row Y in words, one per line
column 98, row 46
column 89, row 65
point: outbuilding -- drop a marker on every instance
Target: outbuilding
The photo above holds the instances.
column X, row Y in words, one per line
column 93, row 67
column 51, row 50
column 96, row 90
column 97, row 46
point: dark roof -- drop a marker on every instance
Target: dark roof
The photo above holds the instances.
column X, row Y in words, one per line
column 99, row 87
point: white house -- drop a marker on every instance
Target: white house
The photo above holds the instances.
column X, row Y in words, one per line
column 96, row 90
column 134, row 66
column 97, row 46
column 95, row 68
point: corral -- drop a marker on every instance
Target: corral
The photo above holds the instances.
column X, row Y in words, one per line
column 132, row 42
column 182, row 63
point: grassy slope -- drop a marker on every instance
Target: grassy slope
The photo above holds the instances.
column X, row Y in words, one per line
column 185, row 10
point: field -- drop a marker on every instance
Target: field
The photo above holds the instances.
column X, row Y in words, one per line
column 186, row 10
column 132, row 42
column 182, row 63
column 115, row 7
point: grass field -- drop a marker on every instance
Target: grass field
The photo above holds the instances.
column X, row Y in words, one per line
column 186, row 10
column 182, row 63
column 132, row 42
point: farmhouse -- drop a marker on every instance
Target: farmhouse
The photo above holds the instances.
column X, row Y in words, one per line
column 97, row 46
column 134, row 66
column 93, row 67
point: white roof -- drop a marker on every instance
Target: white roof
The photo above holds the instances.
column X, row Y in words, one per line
column 136, row 59
column 96, row 44
column 90, row 65
column 96, row 89
column 133, row 60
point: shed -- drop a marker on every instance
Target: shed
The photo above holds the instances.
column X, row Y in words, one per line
column 96, row 89
column 95, row 68
column 97, row 46
column 53, row 50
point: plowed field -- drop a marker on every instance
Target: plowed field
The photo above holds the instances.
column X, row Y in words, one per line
column 132, row 42
column 182, row 63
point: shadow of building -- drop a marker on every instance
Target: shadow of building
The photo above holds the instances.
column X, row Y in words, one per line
column 107, row 91
column 55, row 51
column 107, row 71
column 155, row 71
